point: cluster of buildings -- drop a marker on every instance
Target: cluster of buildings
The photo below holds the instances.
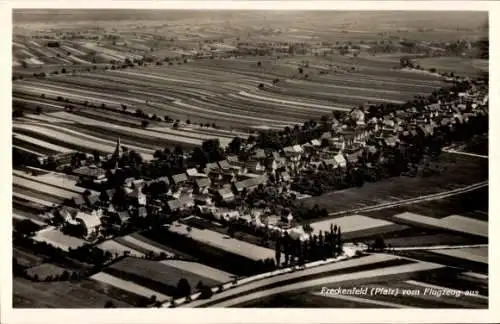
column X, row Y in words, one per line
column 220, row 187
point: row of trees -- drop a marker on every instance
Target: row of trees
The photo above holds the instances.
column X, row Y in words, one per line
column 317, row 247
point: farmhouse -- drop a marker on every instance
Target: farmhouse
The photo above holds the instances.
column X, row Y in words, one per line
column 259, row 154
column 224, row 165
column 90, row 173
column 225, row 194
column 180, row 178
column 182, row 203
column 202, row 185
column 90, row 222
column 250, row 184
column 191, row 172
column 211, row 167
column 255, row 167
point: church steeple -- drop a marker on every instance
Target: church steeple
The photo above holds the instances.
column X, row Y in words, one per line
column 118, row 150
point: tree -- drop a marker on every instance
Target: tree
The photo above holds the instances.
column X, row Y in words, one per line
column 64, row 276
column 38, row 110
column 261, row 85
column 183, row 288
column 144, row 123
column 103, row 196
column 109, row 304
column 63, row 70
column 259, row 63
column 188, row 122
column 301, row 70
column 206, row 293
column 97, row 156
column 379, row 243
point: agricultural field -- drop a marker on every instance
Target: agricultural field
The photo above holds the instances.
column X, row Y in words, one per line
column 85, row 294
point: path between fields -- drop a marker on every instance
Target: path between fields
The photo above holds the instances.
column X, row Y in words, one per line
column 437, row 247
column 424, row 198
column 452, row 151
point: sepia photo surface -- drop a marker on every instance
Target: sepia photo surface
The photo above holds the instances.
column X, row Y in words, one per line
column 249, row 159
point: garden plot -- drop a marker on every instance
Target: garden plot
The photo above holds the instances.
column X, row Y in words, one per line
column 43, row 188
column 56, row 181
column 145, row 245
column 128, row 286
column 28, row 150
column 45, row 145
column 45, row 270
column 200, row 269
column 118, row 249
column 350, row 224
column 61, row 294
column 26, row 259
column 147, row 273
column 453, row 223
column 224, row 242
column 479, row 254
column 35, row 200
column 53, row 236
column 19, row 216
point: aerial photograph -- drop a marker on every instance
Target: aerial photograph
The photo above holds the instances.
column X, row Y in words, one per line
column 249, row 159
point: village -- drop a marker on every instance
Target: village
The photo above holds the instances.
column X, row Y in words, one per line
column 255, row 183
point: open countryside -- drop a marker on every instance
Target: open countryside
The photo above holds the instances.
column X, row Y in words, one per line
column 249, row 159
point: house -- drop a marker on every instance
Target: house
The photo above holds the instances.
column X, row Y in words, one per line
column 180, row 178
column 182, row 203
column 316, row 142
column 202, row 185
column 224, row 165
column 285, row 176
column 255, row 167
column 123, row 217
column 340, row 161
column 164, row 179
column 371, row 149
column 249, row 184
column 337, row 143
column 91, row 200
column 142, row 212
column 90, row 173
column 90, row 222
column 293, row 152
column 79, row 201
column 271, row 163
column 325, row 135
column 259, row 154
column 203, row 200
column 128, row 182
column 226, row 214
column 225, row 194
column 210, row 167
column 391, row 141
column 308, row 148
column 138, row 183
column 234, row 161
column 191, row 173
column 353, row 158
